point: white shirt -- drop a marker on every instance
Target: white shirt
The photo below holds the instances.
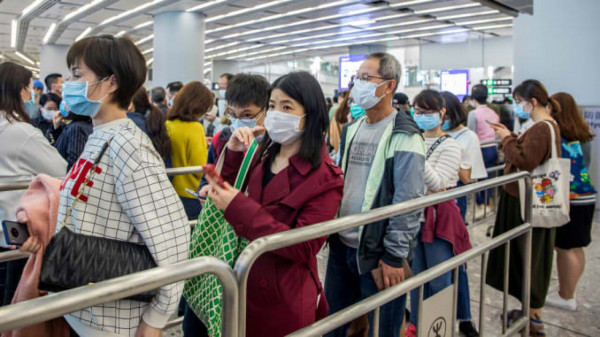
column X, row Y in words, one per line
column 24, row 153
column 471, row 152
column 441, row 168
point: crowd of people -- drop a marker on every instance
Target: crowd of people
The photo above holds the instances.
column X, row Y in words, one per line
column 289, row 158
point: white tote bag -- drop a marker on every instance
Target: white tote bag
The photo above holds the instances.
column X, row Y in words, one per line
column 551, row 186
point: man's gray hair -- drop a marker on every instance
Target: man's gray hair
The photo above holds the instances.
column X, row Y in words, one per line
column 389, row 67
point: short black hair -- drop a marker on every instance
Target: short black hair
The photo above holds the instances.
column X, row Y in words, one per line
column 429, row 100
column 50, row 97
column 174, row 86
column 400, row 98
column 466, row 97
column 158, row 94
column 229, row 77
column 454, row 110
column 306, row 90
column 108, row 55
column 51, row 79
column 479, row 93
column 246, row 89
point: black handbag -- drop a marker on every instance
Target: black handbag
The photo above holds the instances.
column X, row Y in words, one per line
column 73, row 260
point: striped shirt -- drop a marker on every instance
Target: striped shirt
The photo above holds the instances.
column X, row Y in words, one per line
column 441, row 168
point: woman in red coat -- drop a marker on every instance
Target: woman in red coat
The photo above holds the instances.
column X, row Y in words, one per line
column 293, row 184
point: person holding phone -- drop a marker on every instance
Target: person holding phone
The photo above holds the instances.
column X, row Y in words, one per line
column 24, row 153
column 525, row 153
column 293, row 183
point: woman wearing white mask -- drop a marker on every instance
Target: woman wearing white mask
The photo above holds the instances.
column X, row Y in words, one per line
column 443, row 233
column 293, row 183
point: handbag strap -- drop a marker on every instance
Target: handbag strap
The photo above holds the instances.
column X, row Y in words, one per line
column 436, row 144
column 86, row 182
column 553, row 138
column 246, row 162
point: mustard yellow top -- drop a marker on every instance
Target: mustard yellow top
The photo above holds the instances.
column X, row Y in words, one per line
column 188, row 148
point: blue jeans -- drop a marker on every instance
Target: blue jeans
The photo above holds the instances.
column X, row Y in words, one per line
column 192, row 325
column 490, row 159
column 427, row 255
column 344, row 286
column 462, row 202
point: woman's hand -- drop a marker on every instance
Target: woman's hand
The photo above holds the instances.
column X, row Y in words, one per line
column 501, row 130
column 242, row 138
column 220, row 196
column 33, row 243
column 203, row 193
column 57, row 119
column 144, row 330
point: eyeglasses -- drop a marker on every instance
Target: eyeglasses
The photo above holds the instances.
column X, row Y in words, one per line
column 230, row 115
column 366, row 77
column 425, row 112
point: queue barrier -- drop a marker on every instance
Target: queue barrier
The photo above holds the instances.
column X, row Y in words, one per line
column 294, row 236
column 55, row 305
column 234, row 309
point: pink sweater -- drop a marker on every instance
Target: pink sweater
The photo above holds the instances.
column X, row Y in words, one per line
column 477, row 122
column 39, row 206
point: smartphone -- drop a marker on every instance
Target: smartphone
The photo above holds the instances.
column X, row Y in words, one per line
column 209, row 169
column 196, row 195
column 15, row 233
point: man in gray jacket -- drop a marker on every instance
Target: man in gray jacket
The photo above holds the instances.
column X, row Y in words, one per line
column 383, row 157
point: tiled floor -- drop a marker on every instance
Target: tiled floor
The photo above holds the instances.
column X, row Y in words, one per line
column 584, row 322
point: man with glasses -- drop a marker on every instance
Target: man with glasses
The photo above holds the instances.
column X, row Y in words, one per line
column 247, row 96
column 383, row 157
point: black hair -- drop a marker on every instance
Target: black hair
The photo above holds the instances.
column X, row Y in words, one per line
column 306, row 90
column 531, row 89
column 51, row 79
column 429, row 100
column 158, row 94
column 155, row 123
column 246, row 89
column 107, row 55
column 229, row 77
column 13, row 79
column 454, row 110
column 466, row 97
column 400, row 98
column 49, row 96
column 174, row 86
column 479, row 93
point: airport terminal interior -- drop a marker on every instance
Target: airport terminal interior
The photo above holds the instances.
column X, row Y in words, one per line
column 267, row 168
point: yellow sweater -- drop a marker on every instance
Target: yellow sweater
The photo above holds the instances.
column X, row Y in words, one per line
column 188, row 148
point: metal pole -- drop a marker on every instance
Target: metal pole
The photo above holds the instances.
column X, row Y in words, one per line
column 41, row 309
column 176, row 171
column 12, row 255
column 527, row 263
column 484, row 261
column 455, row 299
column 376, row 322
column 505, row 297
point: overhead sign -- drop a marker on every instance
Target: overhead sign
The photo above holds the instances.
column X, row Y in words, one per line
column 455, row 81
column 493, row 83
column 349, row 67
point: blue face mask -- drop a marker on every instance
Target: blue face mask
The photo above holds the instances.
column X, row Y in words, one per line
column 63, row 109
column 446, row 125
column 75, row 96
column 33, row 110
column 237, row 123
column 427, row 121
column 356, row 111
column 518, row 109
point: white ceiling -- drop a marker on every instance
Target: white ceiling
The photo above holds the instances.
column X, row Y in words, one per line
column 253, row 30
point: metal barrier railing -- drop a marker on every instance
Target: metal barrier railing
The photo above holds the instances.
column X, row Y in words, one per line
column 374, row 302
column 24, row 184
column 476, row 220
column 294, row 236
column 38, row 310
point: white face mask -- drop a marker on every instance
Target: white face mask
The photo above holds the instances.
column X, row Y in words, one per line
column 363, row 93
column 283, row 128
column 47, row 114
